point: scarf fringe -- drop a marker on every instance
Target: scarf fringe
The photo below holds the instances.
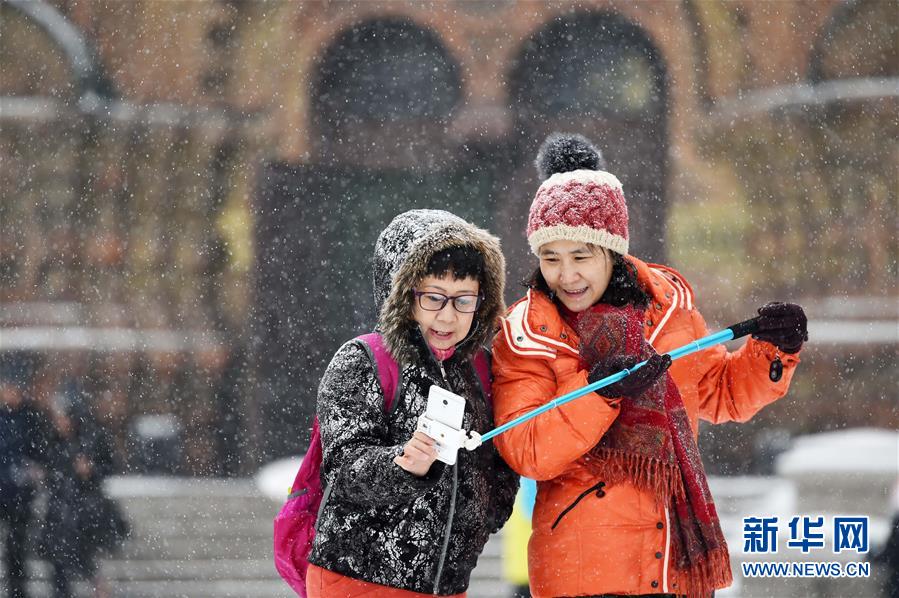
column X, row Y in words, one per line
column 710, row 574
column 662, row 480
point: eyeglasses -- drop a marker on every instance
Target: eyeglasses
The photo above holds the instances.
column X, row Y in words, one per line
column 465, row 304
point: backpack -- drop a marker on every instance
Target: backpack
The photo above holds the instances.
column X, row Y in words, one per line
column 294, row 525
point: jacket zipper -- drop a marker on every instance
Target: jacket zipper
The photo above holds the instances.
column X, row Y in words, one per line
column 321, row 507
column 598, row 488
column 452, row 510
column 449, row 529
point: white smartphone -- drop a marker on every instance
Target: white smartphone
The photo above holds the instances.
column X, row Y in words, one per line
column 442, row 421
column 445, row 407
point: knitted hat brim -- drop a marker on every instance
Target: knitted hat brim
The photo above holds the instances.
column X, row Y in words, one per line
column 578, row 234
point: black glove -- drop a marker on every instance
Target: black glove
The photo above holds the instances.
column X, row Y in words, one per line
column 783, row 325
column 634, row 384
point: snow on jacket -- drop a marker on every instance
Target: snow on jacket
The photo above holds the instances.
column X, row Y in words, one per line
column 614, row 540
column 378, row 522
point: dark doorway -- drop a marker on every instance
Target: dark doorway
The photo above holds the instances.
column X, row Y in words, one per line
column 382, row 98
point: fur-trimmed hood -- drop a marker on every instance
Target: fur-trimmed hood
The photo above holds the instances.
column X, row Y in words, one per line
column 401, row 258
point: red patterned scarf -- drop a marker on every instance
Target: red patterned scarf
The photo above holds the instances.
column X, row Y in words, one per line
column 651, row 446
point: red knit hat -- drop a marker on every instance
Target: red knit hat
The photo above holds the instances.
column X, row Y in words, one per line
column 577, row 203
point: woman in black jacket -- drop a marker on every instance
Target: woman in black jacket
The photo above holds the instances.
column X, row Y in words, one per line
column 392, row 518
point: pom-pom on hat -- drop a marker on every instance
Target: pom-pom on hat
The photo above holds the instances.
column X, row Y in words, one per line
column 578, row 201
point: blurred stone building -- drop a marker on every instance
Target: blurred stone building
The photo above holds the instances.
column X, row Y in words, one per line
column 191, row 190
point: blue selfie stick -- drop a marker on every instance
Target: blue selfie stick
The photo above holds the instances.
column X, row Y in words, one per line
column 722, row 336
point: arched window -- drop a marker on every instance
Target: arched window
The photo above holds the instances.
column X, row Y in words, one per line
column 382, row 97
column 589, row 64
column 385, row 70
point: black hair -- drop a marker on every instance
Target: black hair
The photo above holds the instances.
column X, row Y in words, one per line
column 461, row 261
column 624, row 288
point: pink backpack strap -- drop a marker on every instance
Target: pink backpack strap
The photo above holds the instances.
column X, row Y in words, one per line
column 388, row 376
column 482, row 367
column 313, row 455
column 388, row 369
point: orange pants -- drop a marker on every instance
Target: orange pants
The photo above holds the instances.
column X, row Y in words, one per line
column 321, row 583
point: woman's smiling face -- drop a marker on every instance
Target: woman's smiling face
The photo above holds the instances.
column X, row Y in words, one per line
column 576, row 272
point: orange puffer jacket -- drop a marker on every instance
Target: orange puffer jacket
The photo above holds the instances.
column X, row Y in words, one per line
column 615, row 539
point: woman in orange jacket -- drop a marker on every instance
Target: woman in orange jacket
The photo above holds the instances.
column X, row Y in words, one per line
column 623, row 505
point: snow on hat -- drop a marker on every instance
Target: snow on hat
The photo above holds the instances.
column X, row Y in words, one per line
column 578, row 201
